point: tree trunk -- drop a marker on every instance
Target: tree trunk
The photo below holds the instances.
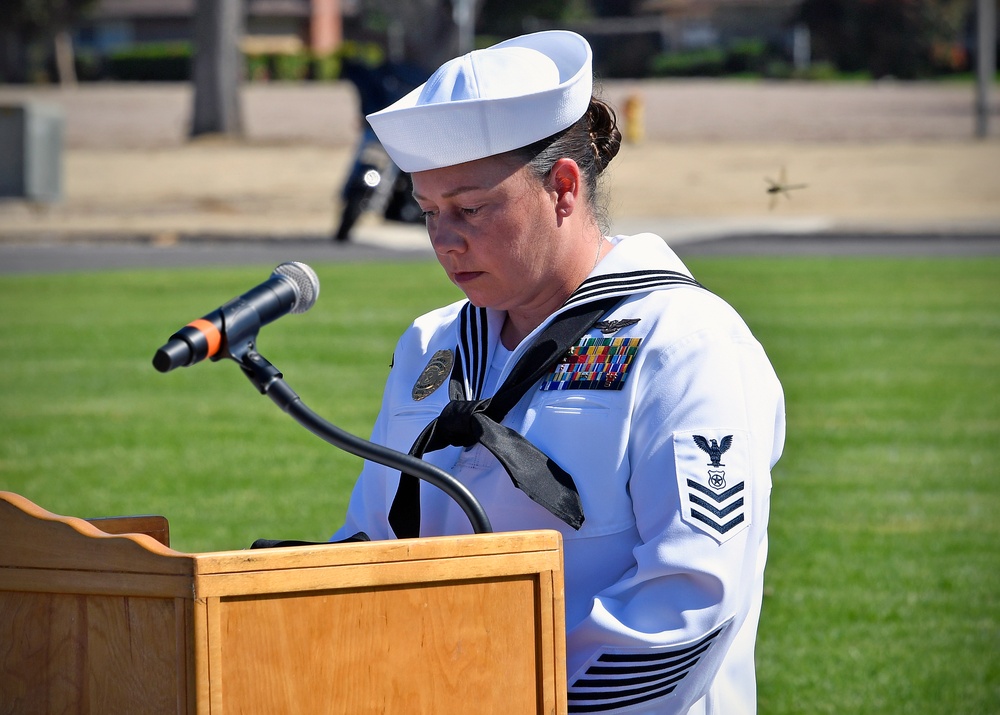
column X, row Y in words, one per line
column 986, row 63
column 218, row 67
column 65, row 61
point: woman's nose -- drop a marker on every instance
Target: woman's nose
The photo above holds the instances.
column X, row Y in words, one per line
column 444, row 237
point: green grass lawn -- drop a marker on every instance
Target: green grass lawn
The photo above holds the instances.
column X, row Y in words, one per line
column 884, row 572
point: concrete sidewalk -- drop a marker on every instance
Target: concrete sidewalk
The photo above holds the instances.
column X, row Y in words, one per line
column 157, row 115
column 875, row 158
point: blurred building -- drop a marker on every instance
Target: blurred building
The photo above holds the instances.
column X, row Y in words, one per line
column 701, row 23
column 623, row 45
column 278, row 26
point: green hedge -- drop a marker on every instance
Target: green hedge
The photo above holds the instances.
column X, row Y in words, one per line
column 695, row 63
column 296, row 67
column 746, row 58
column 173, row 61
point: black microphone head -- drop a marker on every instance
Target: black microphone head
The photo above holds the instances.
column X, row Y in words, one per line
column 305, row 281
column 175, row 353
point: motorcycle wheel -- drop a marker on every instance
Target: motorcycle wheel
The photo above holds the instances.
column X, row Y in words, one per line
column 354, row 206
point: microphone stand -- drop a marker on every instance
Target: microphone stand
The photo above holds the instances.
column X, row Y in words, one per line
column 269, row 381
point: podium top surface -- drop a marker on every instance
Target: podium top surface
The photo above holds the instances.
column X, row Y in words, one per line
column 36, row 539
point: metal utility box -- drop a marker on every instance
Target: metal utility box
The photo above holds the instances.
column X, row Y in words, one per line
column 31, row 147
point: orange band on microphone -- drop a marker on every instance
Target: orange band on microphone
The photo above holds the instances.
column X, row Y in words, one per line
column 211, row 333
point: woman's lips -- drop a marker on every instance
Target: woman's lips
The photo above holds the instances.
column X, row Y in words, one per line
column 465, row 276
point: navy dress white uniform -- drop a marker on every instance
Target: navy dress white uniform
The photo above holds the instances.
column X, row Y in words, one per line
column 669, row 417
column 660, row 409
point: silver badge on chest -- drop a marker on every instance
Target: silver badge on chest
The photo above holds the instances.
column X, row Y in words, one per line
column 434, row 375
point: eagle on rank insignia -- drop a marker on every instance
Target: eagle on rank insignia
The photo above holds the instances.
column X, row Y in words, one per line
column 593, row 364
column 714, row 494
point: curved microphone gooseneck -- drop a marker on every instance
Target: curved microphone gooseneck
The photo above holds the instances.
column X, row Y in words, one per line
column 269, row 381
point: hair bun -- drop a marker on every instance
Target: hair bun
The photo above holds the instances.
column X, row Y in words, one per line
column 605, row 138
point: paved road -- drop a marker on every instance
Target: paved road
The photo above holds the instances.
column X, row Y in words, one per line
column 45, row 257
column 54, row 257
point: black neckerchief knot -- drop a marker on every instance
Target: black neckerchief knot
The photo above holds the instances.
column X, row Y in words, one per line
column 460, row 425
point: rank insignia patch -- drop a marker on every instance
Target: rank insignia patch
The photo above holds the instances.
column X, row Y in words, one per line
column 713, row 476
column 594, row 364
column 434, row 375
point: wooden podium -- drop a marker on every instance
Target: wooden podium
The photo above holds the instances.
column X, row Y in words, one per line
column 103, row 624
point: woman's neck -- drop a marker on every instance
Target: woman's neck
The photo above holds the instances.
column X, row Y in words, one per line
column 519, row 324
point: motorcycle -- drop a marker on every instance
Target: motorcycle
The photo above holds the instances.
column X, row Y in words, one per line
column 375, row 184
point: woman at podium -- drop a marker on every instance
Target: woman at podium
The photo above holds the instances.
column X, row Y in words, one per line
column 588, row 384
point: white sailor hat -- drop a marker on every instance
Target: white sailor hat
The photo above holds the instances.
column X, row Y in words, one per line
column 489, row 102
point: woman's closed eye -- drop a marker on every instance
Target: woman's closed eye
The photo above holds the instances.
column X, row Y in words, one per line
column 463, row 210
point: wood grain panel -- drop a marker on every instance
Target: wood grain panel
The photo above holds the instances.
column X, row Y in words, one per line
column 460, row 647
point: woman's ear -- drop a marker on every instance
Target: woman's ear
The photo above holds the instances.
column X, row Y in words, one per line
column 565, row 183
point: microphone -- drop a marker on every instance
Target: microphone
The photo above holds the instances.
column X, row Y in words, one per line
column 292, row 288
